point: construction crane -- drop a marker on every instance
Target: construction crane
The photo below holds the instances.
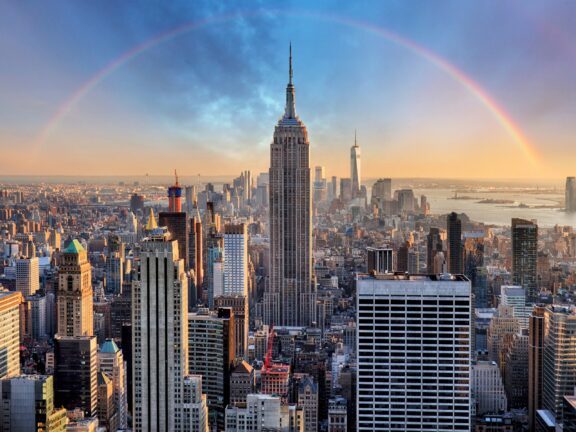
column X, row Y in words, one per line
column 268, row 358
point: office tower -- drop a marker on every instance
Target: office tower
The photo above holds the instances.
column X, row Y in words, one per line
column 433, row 246
column 76, row 373
column 195, row 406
column 10, row 333
column 488, row 388
column 345, row 190
column 195, row 254
column 28, row 405
column 136, row 203
column 524, row 257
column 308, row 400
column 558, row 359
column 381, row 191
column 242, row 382
column 114, row 264
column 126, row 345
column 515, row 296
column 75, row 314
column 333, row 189
column 535, row 349
column 380, row 259
column 502, row 327
column 210, row 354
column 239, row 305
column 406, row 200
column 262, row 183
column 413, row 362
column 473, row 265
column 570, row 194
column 27, row 276
column 107, row 415
column 320, row 190
column 516, row 370
column 424, row 206
column 190, row 192
column 291, row 295
column 337, row 415
column 159, row 335
column 454, row 229
column 36, row 320
column 355, row 168
column 177, row 225
column 402, row 258
column 111, row 362
column 175, row 196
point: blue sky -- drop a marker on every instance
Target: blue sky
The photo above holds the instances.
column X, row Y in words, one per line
column 206, row 101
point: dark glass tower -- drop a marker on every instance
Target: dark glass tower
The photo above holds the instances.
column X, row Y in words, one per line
column 525, row 257
column 454, row 228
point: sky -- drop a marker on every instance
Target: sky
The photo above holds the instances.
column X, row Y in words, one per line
column 446, row 89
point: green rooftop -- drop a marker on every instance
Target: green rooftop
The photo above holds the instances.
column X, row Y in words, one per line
column 74, row 247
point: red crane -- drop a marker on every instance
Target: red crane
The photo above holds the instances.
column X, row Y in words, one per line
column 268, row 358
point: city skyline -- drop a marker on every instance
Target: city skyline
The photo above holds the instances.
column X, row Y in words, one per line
column 418, row 95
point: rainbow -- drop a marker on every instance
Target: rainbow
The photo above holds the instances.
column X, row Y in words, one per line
column 468, row 83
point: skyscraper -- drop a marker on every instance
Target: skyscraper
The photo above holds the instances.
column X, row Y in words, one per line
column 570, row 194
column 525, row 257
column 355, row 168
column 558, row 359
column 433, row 246
column 160, row 335
column 27, row 276
column 291, row 295
column 114, row 264
column 454, row 229
column 236, row 261
column 381, row 191
column 10, row 333
column 195, row 254
column 211, row 351
column 177, row 225
column 175, row 196
column 111, row 362
column 28, row 405
column 535, row 348
column 75, row 314
column 413, row 362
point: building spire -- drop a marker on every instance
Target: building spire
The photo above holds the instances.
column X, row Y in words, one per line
column 176, row 175
column 355, row 140
column 290, row 110
column 290, row 82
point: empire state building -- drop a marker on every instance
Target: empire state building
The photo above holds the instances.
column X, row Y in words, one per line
column 290, row 297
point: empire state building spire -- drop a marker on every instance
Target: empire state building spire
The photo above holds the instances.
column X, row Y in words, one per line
column 290, row 111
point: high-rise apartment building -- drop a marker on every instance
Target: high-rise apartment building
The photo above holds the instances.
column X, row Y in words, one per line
column 75, row 304
column 291, row 295
column 355, row 173
column 570, row 194
column 27, row 276
column 515, row 296
column 10, row 333
column 525, row 257
column 211, row 352
column 159, row 335
column 455, row 257
column 236, row 259
column 414, row 353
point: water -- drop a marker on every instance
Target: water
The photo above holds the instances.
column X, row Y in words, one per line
column 501, row 214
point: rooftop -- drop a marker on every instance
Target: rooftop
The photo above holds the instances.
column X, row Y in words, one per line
column 75, row 247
